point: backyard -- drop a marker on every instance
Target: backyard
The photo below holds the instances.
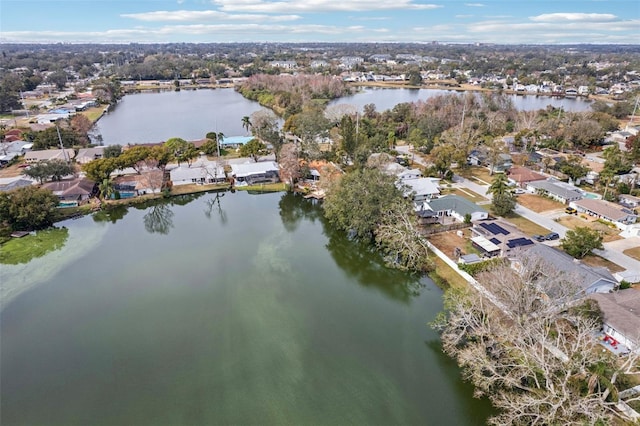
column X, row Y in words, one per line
column 633, row 252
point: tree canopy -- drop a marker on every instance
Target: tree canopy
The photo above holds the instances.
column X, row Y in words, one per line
column 28, row 208
column 580, row 241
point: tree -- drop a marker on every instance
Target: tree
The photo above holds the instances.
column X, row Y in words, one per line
column 134, row 157
column 357, row 201
column 502, row 204
column 527, row 350
column 28, row 208
column 253, row 149
column 100, row 169
column 289, row 163
column 499, row 185
column 572, row 167
column 348, row 134
column 414, row 77
column 112, row 151
column 44, row 170
column 246, row 123
column 581, row 241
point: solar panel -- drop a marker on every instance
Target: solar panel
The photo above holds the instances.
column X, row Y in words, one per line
column 519, row 242
column 495, row 240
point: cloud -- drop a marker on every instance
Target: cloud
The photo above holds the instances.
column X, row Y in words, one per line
column 203, row 15
column 574, row 17
column 463, row 16
column 474, row 5
column 288, row 6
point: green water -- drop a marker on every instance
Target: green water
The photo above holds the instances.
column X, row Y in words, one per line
column 234, row 310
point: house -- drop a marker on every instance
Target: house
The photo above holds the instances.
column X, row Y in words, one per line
column 589, row 279
column 420, row 189
column 19, row 147
column 479, row 157
column 147, row 182
column 73, row 192
column 410, row 174
column 554, row 189
column 198, row 173
column 455, row 206
column 254, row 173
column 611, row 212
column 521, row 176
column 8, row 158
column 9, row 184
column 289, row 65
column 86, row 155
column 621, row 316
column 628, row 200
column 235, row 141
column 49, row 154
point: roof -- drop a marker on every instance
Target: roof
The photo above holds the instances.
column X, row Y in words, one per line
column 70, row 188
column 49, row 154
column 15, row 184
column 485, row 244
column 561, row 261
column 422, row 186
column 90, row 153
column 196, row 172
column 603, row 208
column 621, row 310
column 522, row 175
column 236, row 140
column 454, row 203
column 553, row 187
column 248, row 169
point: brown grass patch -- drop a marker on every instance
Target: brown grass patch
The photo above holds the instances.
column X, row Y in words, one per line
column 539, row 203
column 464, row 193
column 448, row 241
column 633, row 252
column 597, row 261
column 526, row 226
column 447, row 274
column 477, row 174
column 608, row 233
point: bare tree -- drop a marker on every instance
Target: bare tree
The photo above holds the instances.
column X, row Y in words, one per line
column 532, row 349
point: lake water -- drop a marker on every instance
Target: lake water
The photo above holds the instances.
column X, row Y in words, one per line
column 384, row 98
column 237, row 309
column 190, row 114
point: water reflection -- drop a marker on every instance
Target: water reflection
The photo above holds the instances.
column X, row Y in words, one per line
column 25, row 249
column 159, row 219
column 293, row 209
column 213, row 204
column 111, row 214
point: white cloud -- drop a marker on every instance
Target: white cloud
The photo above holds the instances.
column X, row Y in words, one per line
column 574, row 17
column 203, row 15
column 474, row 5
column 463, row 16
column 285, row 6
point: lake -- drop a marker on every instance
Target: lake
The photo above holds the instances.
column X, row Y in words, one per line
column 224, row 308
column 385, row 98
column 190, row 114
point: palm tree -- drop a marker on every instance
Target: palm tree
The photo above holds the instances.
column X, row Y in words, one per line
column 219, row 139
column 246, row 123
column 499, row 185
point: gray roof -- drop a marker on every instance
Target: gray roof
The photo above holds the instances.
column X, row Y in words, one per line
column 454, row 203
column 561, row 261
column 18, row 183
column 554, row 188
column 621, row 311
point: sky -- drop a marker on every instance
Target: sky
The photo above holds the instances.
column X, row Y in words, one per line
column 212, row 21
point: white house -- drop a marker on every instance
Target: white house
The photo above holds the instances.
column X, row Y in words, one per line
column 254, row 173
column 614, row 213
column 198, row 173
column 457, row 207
column 621, row 312
column 554, row 189
column 421, row 189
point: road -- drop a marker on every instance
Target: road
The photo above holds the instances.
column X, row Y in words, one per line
column 612, row 250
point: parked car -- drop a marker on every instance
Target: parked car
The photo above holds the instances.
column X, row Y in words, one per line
column 552, row 236
column 570, row 210
column 538, row 237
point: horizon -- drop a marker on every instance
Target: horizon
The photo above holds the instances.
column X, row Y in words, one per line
column 499, row 22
